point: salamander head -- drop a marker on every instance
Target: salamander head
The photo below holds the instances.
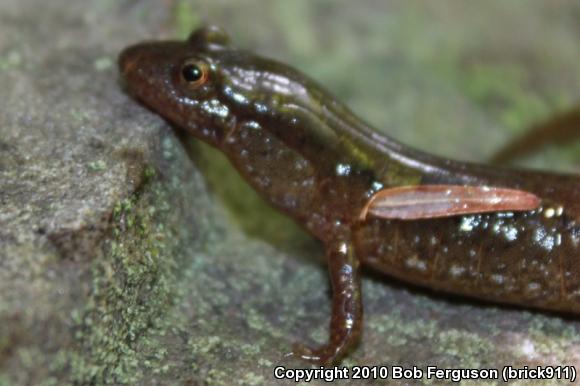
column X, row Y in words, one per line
column 207, row 87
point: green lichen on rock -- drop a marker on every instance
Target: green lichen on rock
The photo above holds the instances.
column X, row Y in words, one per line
column 133, row 286
column 136, row 281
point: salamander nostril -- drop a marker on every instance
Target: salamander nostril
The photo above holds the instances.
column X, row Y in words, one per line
column 128, row 59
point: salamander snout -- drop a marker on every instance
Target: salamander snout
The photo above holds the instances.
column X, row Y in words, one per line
column 148, row 59
column 147, row 68
column 128, row 59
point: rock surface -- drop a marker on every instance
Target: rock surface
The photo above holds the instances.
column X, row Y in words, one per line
column 131, row 255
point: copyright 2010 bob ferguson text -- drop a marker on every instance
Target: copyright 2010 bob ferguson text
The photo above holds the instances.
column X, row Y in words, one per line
column 506, row 374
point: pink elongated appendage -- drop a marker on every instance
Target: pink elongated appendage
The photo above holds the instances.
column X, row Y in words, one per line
column 435, row 201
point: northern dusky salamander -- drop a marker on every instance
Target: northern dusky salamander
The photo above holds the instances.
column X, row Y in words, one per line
column 309, row 156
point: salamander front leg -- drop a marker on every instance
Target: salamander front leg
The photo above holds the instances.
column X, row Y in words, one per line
column 346, row 318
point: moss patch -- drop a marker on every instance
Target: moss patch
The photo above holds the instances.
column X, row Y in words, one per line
column 131, row 289
column 133, row 285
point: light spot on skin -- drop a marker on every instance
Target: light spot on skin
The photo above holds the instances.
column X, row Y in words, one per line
column 498, row 279
column 280, row 84
column 237, row 97
column 545, row 240
column 533, row 286
column 349, row 323
column 549, row 212
column 468, row 223
column 245, row 79
column 343, row 169
column 415, row 262
column 376, row 186
column 308, row 182
column 260, row 108
column 253, row 125
column 214, row 107
column 510, row 233
column 504, row 214
column 188, row 102
column 456, row 270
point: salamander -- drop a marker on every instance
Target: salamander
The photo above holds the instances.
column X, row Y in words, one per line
column 309, row 156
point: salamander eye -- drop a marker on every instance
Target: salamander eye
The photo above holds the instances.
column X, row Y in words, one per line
column 195, row 74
